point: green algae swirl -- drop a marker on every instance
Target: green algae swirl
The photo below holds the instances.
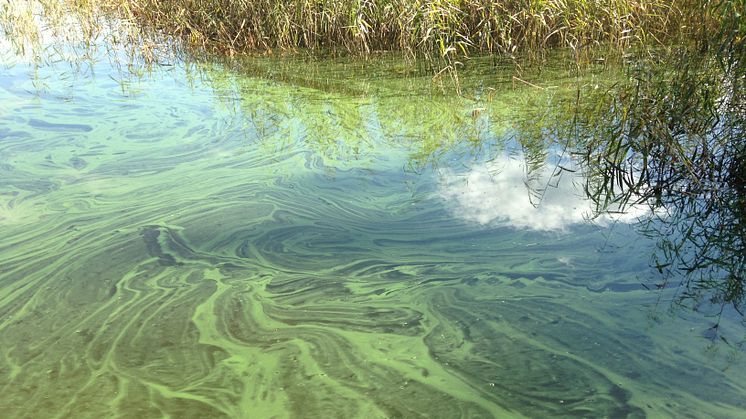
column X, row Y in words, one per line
column 257, row 249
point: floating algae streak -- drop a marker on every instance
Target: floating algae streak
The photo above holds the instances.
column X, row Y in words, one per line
column 254, row 247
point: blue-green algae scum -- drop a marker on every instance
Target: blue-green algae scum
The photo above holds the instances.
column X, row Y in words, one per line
column 197, row 242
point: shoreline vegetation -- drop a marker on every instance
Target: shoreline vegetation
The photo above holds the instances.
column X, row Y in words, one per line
column 443, row 33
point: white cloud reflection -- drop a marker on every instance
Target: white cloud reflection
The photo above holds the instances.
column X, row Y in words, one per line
column 496, row 193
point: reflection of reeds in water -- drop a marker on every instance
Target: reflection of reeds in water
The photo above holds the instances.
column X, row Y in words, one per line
column 672, row 137
column 48, row 31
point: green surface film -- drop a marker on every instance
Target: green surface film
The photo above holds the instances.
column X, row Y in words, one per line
column 202, row 243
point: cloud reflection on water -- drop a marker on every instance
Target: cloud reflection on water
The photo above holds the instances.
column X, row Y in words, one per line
column 499, row 192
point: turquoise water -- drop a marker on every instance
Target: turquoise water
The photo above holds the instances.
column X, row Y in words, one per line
column 333, row 240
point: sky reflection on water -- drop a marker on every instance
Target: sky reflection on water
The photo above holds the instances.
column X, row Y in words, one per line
column 498, row 192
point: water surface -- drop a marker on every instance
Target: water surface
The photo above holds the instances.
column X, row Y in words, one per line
column 201, row 242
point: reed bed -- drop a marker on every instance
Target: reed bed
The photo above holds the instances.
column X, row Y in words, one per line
column 436, row 29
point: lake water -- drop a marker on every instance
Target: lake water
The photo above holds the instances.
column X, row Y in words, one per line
column 332, row 240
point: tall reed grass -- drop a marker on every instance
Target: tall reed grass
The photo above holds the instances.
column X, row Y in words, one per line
column 436, row 29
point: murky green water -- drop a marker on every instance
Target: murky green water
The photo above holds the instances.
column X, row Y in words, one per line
column 198, row 243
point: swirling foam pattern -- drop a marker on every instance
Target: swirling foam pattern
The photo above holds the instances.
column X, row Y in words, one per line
column 263, row 250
